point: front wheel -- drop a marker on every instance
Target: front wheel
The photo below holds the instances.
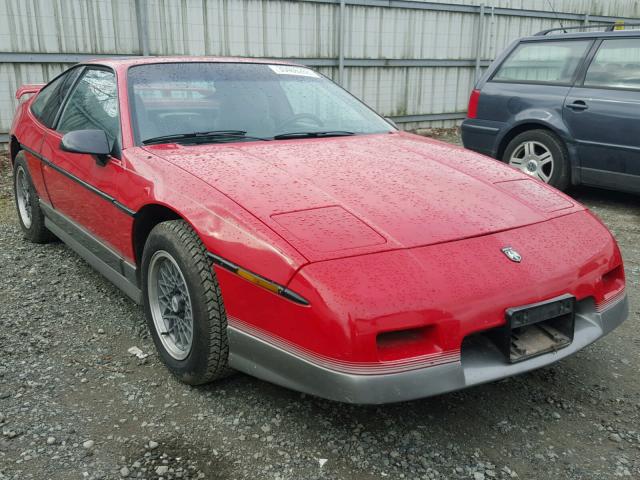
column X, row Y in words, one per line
column 183, row 304
column 540, row 154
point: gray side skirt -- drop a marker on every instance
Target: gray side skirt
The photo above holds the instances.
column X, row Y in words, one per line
column 102, row 258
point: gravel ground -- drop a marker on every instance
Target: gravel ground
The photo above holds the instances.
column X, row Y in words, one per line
column 74, row 404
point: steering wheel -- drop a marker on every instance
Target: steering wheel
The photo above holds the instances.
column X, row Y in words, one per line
column 296, row 118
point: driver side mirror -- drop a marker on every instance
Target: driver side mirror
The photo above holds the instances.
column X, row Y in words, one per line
column 91, row 142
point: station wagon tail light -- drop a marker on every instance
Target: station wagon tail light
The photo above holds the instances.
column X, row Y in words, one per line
column 472, row 111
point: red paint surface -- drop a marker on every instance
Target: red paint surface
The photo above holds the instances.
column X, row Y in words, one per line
column 99, row 216
column 412, row 192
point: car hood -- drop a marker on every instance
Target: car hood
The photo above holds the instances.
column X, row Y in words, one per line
column 346, row 196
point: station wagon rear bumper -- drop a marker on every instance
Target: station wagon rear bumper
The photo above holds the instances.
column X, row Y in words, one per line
column 260, row 358
column 480, row 136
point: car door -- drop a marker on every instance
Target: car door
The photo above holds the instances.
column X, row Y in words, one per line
column 84, row 190
column 602, row 113
column 41, row 117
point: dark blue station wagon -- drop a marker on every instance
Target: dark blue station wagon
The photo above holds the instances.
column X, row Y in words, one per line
column 564, row 108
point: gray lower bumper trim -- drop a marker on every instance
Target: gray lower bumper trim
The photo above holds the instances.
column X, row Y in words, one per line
column 260, row 359
column 479, row 128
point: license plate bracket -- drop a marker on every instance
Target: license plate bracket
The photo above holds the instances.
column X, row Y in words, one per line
column 539, row 328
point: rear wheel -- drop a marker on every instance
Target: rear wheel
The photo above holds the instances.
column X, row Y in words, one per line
column 540, row 154
column 30, row 214
column 183, row 304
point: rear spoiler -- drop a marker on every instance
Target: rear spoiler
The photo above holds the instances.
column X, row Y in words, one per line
column 29, row 88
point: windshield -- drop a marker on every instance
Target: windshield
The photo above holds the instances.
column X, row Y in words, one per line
column 261, row 101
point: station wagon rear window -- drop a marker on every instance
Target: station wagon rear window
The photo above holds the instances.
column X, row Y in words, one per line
column 543, row 62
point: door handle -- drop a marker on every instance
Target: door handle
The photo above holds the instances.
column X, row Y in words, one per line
column 578, row 105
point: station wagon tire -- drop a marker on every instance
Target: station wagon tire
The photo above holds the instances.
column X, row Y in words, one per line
column 181, row 295
column 541, row 154
column 30, row 214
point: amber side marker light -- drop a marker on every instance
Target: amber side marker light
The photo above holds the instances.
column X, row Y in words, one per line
column 258, row 280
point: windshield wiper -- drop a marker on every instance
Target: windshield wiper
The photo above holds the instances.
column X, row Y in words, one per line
column 202, row 136
column 328, row 133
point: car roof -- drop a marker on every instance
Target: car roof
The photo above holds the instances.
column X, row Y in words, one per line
column 125, row 62
column 580, row 35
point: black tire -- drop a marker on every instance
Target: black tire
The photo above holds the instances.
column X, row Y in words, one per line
column 35, row 231
column 561, row 174
column 208, row 357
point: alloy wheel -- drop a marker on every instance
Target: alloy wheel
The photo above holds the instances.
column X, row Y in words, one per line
column 170, row 305
column 534, row 159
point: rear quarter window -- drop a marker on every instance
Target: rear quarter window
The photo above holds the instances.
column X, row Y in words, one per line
column 552, row 62
column 47, row 104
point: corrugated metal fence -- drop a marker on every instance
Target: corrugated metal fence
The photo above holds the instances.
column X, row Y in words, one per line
column 414, row 61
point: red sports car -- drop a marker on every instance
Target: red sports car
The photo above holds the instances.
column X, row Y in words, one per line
column 271, row 223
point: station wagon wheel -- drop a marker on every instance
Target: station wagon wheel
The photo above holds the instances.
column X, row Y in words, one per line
column 183, row 304
column 27, row 201
column 540, row 154
column 534, row 159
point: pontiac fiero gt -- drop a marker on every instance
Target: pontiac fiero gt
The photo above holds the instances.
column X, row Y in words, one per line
column 271, row 223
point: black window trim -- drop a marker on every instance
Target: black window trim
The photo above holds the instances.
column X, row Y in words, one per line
column 570, row 83
column 117, row 144
column 38, row 94
column 582, row 71
column 591, row 57
column 55, row 118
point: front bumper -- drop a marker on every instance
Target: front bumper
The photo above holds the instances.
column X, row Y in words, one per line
column 255, row 356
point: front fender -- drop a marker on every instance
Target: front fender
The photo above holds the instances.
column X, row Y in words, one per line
column 225, row 228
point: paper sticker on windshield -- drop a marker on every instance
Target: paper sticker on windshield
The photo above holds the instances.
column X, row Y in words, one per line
column 291, row 70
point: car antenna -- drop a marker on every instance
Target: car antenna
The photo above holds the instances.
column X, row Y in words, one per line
column 557, row 16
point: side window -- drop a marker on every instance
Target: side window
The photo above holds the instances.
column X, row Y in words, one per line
column 47, row 103
column 93, row 104
column 616, row 65
column 543, row 62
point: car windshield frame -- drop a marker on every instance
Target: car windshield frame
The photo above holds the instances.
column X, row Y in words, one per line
column 134, row 120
